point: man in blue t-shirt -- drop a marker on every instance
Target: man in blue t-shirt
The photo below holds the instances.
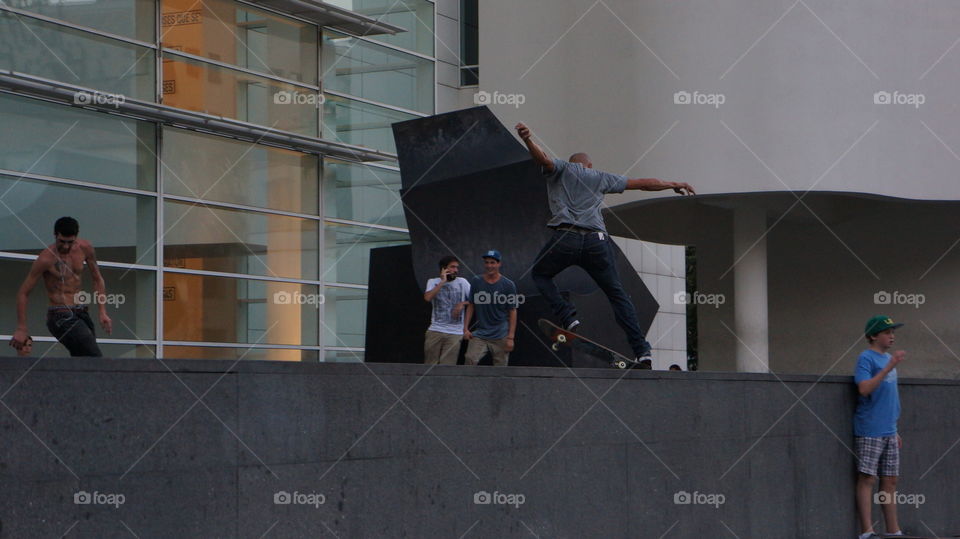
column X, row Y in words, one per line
column 875, row 425
column 575, row 193
column 494, row 299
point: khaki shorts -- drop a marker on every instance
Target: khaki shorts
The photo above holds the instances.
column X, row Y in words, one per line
column 478, row 347
column 442, row 348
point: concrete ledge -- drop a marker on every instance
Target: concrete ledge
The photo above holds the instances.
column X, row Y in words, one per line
column 395, row 453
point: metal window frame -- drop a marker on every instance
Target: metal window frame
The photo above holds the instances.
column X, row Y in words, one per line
column 232, row 67
column 366, row 101
column 59, row 92
column 78, row 27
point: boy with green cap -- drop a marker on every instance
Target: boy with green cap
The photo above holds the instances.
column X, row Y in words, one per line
column 875, row 425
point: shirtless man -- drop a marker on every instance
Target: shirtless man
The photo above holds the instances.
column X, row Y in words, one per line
column 60, row 265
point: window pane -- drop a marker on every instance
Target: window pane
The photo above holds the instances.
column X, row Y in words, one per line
column 128, row 18
column 234, row 241
column 345, row 317
column 193, row 85
column 361, row 124
column 131, row 296
column 224, row 170
column 75, row 57
column 347, row 250
column 415, row 16
column 469, row 32
column 342, row 356
column 469, row 76
column 362, row 69
column 64, row 142
column 241, row 35
column 227, row 310
column 259, row 354
column 121, row 227
column 113, row 351
column 362, row 193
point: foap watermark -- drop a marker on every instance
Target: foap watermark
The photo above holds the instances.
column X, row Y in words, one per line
column 497, row 98
column 899, row 498
column 499, row 498
column 699, row 498
column 898, row 298
column 897, row 98
column 99, row 498
column 99, row 98
column 498, row 298
column 288, row 97
column 684, row 97
column 283, row 497
column 699, row 298
column 96, row 298
column 298, row 298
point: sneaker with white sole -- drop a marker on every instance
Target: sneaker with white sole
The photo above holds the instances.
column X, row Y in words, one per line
column 572, row 326
column 645, row 361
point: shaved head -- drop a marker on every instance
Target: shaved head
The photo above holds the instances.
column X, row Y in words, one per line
column 581, row 158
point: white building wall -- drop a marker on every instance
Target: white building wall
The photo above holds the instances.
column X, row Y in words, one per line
column 662, row 269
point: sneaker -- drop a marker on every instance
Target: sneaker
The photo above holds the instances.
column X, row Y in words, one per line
column 645, row 361
column 869, row 535
column 573, row 325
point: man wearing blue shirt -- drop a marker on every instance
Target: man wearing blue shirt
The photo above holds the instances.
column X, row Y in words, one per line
column 875, row 425
column 494, row 299
column 575, row 193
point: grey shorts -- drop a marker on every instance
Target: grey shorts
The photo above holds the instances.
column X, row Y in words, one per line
column 878, row 456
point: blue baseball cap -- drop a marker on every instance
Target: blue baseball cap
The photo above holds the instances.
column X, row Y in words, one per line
column 492, row 253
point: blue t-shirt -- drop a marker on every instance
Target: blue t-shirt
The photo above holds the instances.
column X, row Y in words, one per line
column 492, row 304
column 575, row 194
column 877, row 413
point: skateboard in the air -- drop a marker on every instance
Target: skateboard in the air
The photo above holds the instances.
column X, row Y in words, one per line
column 562, row 337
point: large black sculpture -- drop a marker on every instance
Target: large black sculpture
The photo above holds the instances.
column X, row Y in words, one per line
column 470, row 186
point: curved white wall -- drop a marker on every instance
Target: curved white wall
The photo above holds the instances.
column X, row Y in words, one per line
column 798, row 80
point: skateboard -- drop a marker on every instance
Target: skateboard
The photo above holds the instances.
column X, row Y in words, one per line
column 561, row 337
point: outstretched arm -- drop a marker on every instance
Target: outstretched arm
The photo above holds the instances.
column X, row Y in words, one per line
column 538, row 154
column 650, row 184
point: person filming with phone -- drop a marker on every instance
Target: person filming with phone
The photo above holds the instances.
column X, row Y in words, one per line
column 447, row 295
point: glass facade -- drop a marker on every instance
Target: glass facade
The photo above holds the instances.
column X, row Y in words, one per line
column 219, row 248
column 377, row 73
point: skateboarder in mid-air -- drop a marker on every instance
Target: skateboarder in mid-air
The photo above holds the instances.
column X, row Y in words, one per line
column 575, row 193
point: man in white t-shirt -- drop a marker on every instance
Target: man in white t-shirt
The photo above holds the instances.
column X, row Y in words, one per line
column 448, row 294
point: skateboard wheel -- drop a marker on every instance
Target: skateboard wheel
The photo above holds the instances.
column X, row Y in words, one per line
column 621, row 364
column 562, row 338
column 554, row 347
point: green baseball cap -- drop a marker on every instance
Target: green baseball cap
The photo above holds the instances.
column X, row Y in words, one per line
column 879, row 323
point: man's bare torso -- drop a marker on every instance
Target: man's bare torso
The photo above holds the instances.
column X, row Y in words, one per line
column 62, row 273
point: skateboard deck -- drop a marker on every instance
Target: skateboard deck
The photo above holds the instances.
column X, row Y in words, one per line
column 562, row 337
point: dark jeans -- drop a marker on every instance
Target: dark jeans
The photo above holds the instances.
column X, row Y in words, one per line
column 74, row 329
column 594, row 254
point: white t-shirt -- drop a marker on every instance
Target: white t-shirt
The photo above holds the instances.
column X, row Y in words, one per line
column 442, row 320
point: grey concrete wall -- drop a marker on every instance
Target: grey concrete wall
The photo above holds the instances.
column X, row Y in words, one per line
column 200, row 449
